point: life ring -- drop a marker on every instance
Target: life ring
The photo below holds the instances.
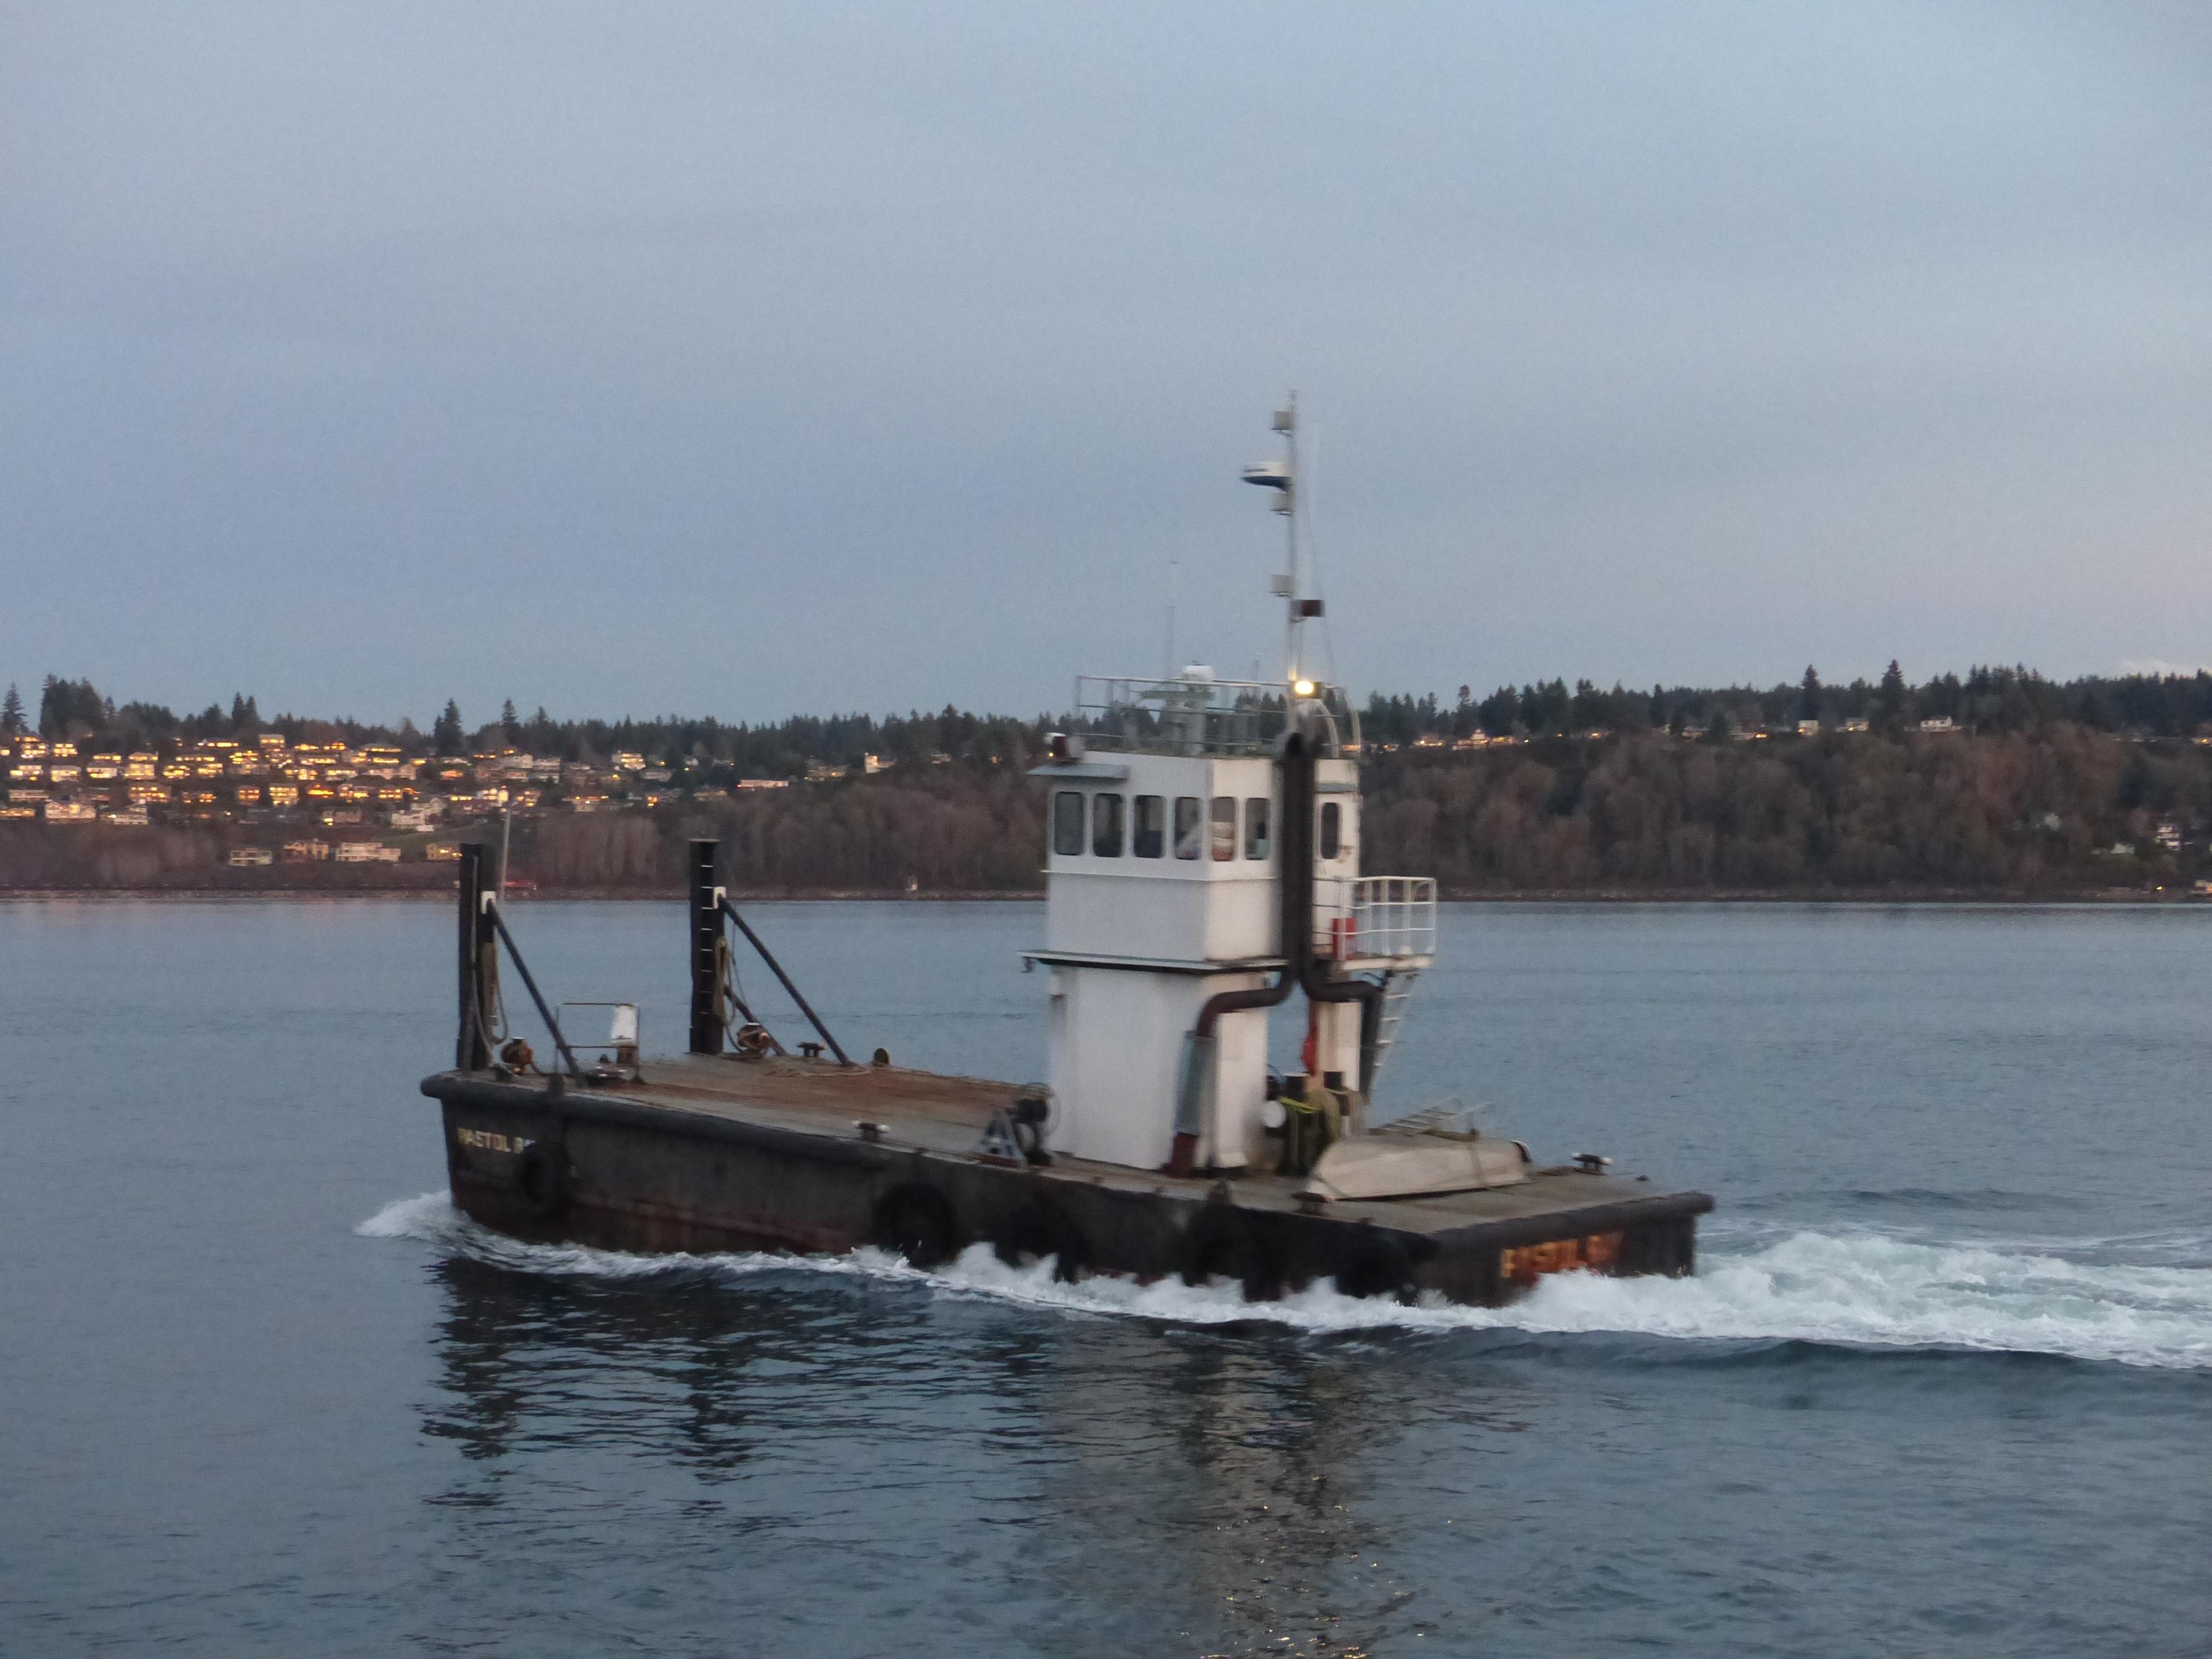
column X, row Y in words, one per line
column 1377, row 1264
column 541, row 1178
column 916, row 1221
column 1221, row 1241
column 1039, row 1230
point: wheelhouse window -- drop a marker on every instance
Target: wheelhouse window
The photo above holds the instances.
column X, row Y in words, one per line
column 1189, row 827
column 1256, row 828
column 1331, row 830
column 1067, row 823
column 1223, row 818
column 1106, row 826
column 1148, row 826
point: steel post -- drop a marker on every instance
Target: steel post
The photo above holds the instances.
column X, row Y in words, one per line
column 709, row 1016
column 479, row 964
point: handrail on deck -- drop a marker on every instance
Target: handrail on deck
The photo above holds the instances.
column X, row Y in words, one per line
column 1379, row 917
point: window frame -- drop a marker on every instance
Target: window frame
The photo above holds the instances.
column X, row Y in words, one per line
column 1190, row 829
column 1221, row 827
column 1060, row 821
column 1259, row 839
column 1102, row 818
column 1156, row 835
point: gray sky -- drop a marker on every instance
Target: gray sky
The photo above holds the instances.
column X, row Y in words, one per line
column 631, row 358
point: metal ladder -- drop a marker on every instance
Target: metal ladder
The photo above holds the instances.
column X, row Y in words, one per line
column 1397, row 990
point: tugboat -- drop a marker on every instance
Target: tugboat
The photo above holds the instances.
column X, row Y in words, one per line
column 1202, row 869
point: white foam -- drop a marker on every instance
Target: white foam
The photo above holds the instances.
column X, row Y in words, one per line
column 1865, row 1289
column 430, row 1218
column 1870, row 1289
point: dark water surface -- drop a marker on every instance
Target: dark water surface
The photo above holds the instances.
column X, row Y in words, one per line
column 1943, row 1386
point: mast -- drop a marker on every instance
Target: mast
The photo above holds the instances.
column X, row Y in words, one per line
column 1282, row 476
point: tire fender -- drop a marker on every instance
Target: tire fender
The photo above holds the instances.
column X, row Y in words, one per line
column 916, row 1220
column 541, row 1178
column 1376, row 1264
column 1040, row 1229
column 1221, row 1240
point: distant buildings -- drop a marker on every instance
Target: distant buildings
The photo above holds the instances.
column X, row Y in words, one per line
column 364, row 851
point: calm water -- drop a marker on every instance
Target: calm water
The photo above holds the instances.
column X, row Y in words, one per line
column 1944, row 1386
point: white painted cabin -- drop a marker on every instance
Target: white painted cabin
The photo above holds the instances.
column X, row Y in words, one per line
column 1161, row 875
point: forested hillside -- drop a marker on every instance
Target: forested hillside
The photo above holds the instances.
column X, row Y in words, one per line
column 2025, row 787
column 2067, row 809
column 1982, row 812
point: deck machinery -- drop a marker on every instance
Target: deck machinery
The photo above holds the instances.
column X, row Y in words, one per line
column 1202, row 870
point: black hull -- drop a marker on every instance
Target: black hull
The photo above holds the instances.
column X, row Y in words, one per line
column 621, row 1174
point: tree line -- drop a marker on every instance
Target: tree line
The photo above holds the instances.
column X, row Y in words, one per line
column 1986, row 700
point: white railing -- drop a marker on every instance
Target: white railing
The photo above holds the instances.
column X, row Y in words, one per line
column 1193, row 713
column 1374, row 917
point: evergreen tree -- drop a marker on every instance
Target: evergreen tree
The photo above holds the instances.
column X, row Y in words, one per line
column 1889, row 698
column 447, row 737
column 12, row 723
column 510, row 726
column 1809, row 696
column 69, row 708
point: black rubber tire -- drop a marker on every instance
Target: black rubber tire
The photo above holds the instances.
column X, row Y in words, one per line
column 1222, row 1242
column 917, row 1222
column 1376, row 1264
column 1042, row 1228
column 541, row 1179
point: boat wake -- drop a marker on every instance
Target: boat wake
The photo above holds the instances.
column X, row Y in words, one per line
column 1857, row 1289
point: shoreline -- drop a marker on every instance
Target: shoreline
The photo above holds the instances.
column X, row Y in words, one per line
column 228, row 895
